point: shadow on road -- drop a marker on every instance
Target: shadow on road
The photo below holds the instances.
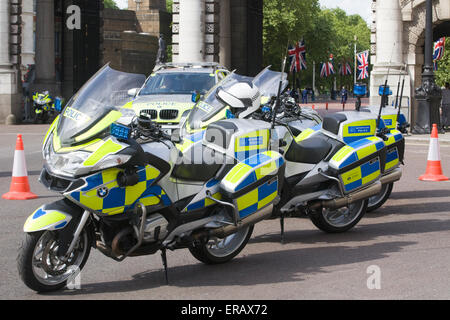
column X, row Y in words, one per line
column 360, row 233
column 260, row 268
column 279, row 266
column 413, row 208
column 421, row 194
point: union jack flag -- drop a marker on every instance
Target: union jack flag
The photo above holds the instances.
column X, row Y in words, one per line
column 438, row 51
column 363, row 65
column 326, row 69
column 345, row 69
column 297, row 56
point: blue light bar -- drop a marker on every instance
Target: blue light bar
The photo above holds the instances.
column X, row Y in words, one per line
column 119, row 131
column 388, row 90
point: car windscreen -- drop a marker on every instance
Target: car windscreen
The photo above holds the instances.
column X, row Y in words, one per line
column 178, row 83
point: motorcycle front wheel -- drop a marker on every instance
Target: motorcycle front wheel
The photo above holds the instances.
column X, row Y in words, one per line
column 379, row 199
column 339, row 220
column 217, row 250
column 39, row 266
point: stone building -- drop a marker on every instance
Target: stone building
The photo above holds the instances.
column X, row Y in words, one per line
column 65, row 58
column 225, row 31
column 398, row 39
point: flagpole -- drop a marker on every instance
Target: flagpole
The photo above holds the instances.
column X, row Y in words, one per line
column 314, row 77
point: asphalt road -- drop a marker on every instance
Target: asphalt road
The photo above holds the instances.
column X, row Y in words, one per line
column 407, row 241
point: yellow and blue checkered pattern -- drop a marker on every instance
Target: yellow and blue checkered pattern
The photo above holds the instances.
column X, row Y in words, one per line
column 308, row 133
column 252, row 169
column 257, row 198
column 102, row 193
column 358, row 150
column 392, row 154
column 251, row 143
column 190, row 140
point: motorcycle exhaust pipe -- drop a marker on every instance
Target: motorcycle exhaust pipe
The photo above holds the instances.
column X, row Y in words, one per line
column 258, row 216
column 348, row 199
column 392, row 176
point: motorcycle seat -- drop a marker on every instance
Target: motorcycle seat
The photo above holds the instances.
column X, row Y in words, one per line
column 311, row 151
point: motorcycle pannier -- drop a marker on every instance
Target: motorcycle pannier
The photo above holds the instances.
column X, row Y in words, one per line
column 359, row 163
column 254, row 183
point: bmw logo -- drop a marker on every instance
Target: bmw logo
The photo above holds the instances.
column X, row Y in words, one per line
column 102, row 192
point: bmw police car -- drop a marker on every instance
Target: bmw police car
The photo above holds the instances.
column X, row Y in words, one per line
column 168, row 93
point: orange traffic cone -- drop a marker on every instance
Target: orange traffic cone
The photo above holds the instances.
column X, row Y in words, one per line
column 20, row 188
column 434, row 169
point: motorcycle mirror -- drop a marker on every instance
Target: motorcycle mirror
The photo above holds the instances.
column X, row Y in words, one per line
column 175, row 137
column 132, row 92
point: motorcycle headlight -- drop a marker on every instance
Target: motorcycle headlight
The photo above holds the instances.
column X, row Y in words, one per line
column 71, row 164
column 66, row 164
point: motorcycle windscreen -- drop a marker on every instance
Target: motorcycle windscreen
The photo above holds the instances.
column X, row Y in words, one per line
column 268, row 81
column 105, row 92
column 210, row 106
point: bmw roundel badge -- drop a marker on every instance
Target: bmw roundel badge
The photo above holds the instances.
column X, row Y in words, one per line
column 102, row 192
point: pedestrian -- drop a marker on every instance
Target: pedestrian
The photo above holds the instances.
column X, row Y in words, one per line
column 446, row 106
column 344, row 95
column 305, row 96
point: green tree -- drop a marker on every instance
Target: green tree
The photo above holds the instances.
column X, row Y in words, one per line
column 169, row 5
column 443, row 72
column 110, row 4
column 327, row 31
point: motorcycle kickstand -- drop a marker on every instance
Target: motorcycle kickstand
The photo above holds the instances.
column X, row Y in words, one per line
column 164, row 261
column 282, row 227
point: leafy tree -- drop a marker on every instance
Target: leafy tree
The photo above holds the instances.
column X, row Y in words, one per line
column 327, row 31
column 169, row 5
column 443, row 72
column 110, row 4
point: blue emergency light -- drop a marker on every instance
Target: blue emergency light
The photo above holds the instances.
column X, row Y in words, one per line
column 119, row 131
column 388, row 91
column 360, row 89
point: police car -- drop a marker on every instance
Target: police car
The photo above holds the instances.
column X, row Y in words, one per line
column 168, row 93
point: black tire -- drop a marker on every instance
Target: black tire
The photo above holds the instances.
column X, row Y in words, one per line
column 382, row 197
column 320, row 221
column 203, row 254
column 25, row 262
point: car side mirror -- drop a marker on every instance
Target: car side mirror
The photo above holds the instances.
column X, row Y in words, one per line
column 175, row 137
column 132, row 92
column 195, row 96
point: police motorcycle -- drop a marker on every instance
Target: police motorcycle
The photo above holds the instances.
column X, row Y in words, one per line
column 396, row 125
column 129, row 191
column 391, row 125
column 325, row 178
column 45, row 106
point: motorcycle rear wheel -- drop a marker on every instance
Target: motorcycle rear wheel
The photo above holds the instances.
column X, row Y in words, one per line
column 378, row 200
column 39, row 266
column 339, row 220
column 217, row 251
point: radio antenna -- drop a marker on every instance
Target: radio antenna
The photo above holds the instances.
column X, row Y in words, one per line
column 383, row 97
column 401, row 95
column 277, row 103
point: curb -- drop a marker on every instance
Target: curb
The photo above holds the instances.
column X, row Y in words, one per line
column 426, row 140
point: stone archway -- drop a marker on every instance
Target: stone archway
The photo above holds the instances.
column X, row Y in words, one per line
column 411, row 29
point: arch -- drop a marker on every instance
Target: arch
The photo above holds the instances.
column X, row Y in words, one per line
column 413, row 26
